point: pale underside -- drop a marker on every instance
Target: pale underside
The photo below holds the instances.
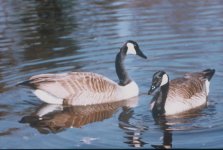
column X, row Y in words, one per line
column 80, row 88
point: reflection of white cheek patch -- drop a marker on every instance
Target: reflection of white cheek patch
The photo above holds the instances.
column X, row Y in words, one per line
column 131, row 49
column 164, row 80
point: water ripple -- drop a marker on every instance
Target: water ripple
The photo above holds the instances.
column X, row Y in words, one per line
column 61, row 36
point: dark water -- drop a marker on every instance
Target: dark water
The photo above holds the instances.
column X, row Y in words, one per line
column 60, row 36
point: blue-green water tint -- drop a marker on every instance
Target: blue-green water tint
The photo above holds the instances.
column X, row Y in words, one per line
column 60, row 36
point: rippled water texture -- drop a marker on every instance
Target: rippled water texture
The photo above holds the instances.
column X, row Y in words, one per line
column 51, row 36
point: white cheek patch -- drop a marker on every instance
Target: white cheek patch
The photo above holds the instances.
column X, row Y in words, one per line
column 164, row 80
column 131, row 49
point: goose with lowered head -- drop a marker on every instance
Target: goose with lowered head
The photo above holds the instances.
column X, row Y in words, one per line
column 181, row 94
column 87, row 88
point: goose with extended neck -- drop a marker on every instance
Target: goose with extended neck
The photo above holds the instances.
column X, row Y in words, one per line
column 86, row 88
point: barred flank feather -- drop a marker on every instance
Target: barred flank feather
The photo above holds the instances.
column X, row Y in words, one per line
column 78, row 88
column 182, row 94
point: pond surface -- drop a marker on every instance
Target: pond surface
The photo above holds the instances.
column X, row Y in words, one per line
column 53, row 36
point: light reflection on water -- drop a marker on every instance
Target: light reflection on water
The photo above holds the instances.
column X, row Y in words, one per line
column 60, row 36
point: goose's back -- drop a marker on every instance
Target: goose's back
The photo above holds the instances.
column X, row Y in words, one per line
column 185, row 93
column 186, row 87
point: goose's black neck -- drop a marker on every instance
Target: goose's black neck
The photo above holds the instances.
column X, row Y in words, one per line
column 120, row 69
column 159, row 106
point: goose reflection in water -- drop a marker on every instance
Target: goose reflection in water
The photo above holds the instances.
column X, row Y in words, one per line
column 133, row 131
column 169, row 124
column 56, row 118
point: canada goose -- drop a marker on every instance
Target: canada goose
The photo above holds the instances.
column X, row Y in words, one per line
column 181, row 94
column 86, row 88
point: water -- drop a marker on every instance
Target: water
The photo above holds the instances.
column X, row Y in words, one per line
column 60, row 36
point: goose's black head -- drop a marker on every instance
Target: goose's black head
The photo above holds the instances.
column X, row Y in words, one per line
column 131, row 47
column 160, row 79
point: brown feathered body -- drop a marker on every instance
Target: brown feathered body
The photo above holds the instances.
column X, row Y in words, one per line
column 79, row 88
column 186, row 93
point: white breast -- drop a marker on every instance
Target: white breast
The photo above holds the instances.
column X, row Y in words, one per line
column 128, row 91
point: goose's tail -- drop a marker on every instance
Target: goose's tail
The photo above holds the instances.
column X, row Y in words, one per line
column 26, row 83
column 208, row 73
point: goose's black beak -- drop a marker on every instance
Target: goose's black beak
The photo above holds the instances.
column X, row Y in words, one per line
column 139, row 53
column 152, row 89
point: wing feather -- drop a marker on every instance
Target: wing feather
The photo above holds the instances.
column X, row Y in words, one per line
column 72, row 84
column 186, row 87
